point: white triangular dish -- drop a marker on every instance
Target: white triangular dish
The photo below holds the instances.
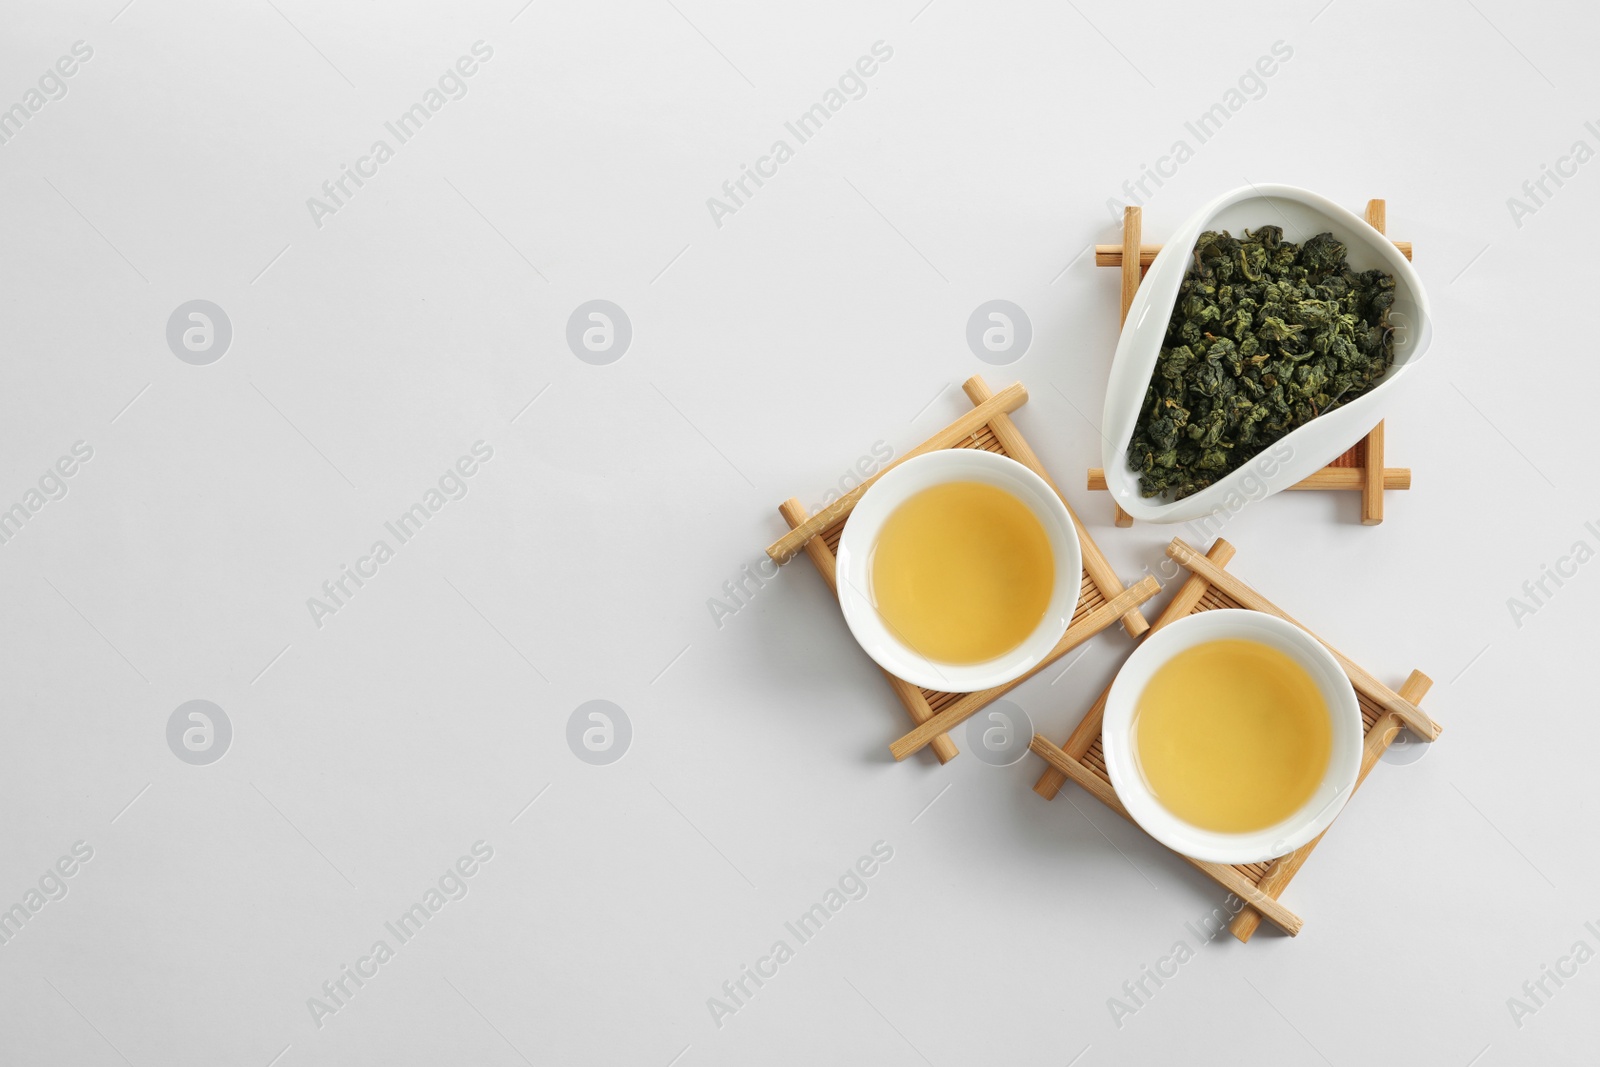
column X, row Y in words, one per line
column 1296, row 455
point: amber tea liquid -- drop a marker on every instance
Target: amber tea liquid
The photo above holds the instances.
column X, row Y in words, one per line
column 962, row 572
column 1232, row 736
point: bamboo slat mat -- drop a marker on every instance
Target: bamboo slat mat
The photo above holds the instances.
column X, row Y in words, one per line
column 1210, row 587
column 1102, row 601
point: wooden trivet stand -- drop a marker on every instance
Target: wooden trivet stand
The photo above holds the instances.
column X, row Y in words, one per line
column 1360, row 468
column 1383, row 712
column 1103, row 600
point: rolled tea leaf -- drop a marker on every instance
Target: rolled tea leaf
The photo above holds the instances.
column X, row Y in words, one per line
column 1265, row 335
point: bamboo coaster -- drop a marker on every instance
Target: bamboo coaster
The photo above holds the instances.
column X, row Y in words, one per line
column 1383, row 712
column 1361, row 468
column 1103, row 599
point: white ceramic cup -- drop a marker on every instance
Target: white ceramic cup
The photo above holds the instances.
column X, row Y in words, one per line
column 860, row 537
column 1313, row 817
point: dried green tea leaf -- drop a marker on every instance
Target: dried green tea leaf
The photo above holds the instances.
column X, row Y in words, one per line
column 1265, row 336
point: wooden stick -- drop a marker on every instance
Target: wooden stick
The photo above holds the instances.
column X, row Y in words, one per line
column 1386, row 698
column 1284, row 868
column 1373, row 479
column 1132, row 222
column 1132, row 275
column 1094, row 561
column 1230, row 878
column 1378, row 216
column 794, row 513
column 1182, row 603
column 1006, row 400
column 1372, row 473
column 1111, row 255
column 964, row 707
column 1326, row 478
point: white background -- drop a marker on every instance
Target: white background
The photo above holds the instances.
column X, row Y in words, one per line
column 768, row 355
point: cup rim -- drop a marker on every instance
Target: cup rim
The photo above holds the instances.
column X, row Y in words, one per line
column 1256, row 846
column 859, row 538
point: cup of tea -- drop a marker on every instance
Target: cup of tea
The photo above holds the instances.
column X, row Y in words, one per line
column 959, row 570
